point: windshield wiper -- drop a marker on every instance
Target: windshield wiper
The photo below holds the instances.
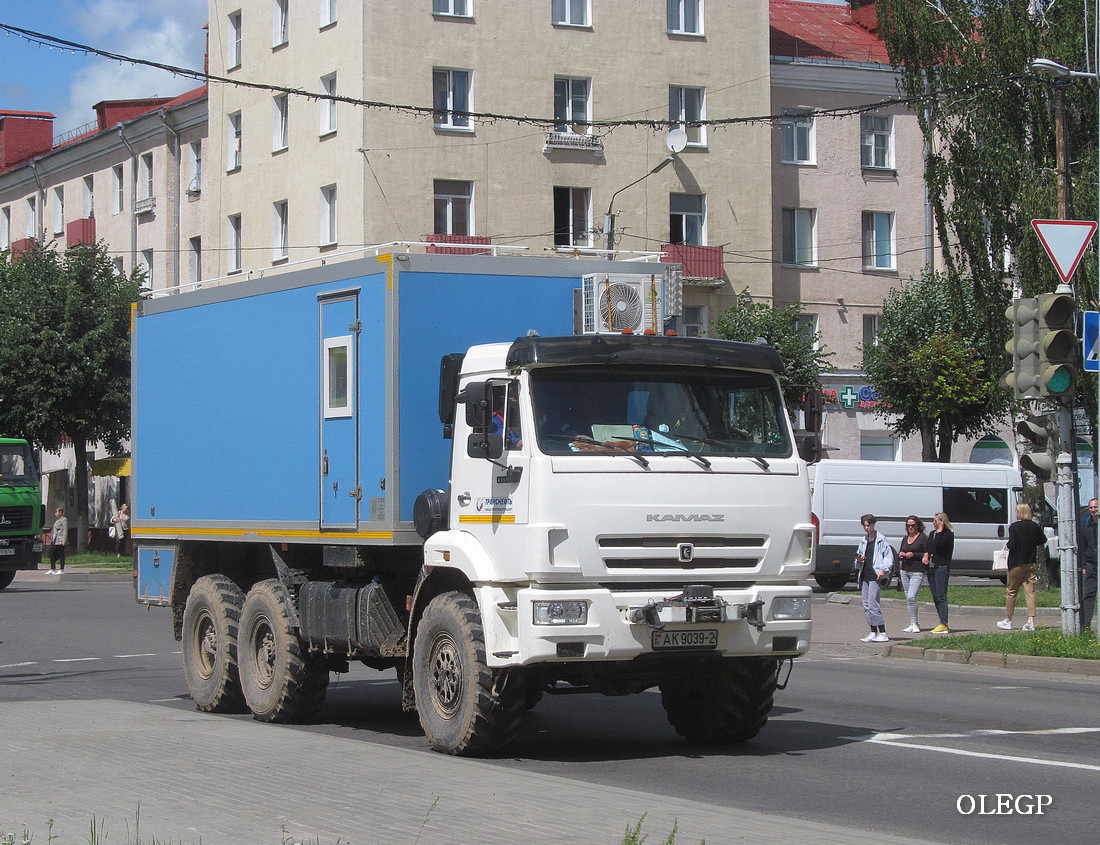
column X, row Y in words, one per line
column 683, row 450
column 612, row 448
column 729, row 447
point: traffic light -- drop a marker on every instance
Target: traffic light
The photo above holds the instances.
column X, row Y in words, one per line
column 1057, row 344
column 1024, row 347
column 1042, row 431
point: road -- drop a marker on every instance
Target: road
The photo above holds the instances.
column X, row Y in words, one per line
column 887, row 746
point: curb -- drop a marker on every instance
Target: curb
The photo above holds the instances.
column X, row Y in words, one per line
column 86, row 577
column 1070, row 665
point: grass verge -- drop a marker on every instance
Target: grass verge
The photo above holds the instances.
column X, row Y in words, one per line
column 1044, row 642
column 991, row 596
column 96, row 560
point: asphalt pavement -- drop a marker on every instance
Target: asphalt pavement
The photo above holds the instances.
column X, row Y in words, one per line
column 154, row 772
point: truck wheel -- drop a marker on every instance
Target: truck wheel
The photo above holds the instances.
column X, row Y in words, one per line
column 281, row 680
column 210, row 619
column 831, row 582
column 725, row 702
column 6, row 578
column 465, row 708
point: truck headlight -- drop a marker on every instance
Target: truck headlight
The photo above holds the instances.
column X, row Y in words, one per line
column 560, row 612
column 791, row 607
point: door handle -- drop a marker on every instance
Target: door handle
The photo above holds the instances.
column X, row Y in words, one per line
column 1001, row 531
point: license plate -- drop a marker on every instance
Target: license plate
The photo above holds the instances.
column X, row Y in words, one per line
column 7, row 551
column 705, row 638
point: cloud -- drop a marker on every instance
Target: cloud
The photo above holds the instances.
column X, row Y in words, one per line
column 166, row 31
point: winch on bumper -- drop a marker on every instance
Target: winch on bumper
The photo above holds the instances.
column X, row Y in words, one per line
column 535, row 624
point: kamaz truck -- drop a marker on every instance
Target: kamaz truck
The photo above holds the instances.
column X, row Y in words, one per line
column 20, row 510
column 461, row 469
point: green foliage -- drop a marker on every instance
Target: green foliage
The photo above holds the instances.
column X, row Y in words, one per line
column 799, row 349
column 936, row 365
column 1043, row 642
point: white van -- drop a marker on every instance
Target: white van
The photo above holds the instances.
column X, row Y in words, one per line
column 979, row 499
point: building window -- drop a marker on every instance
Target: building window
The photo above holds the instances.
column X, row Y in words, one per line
column 58, row 210
column 145, row 176
column 451, row 98
column 876, row 141
column 280, row 122
column 5, row 227
column 570, row 12
column 118, row 190
column 800, row 236
column 686, row 219
column 236, row 246
column 328, row 215
column 328, row 12
column 685, row 107
column 280, row 27
column 454, row 207
column 572, row 216
column 685, row 17
column 280, row 236
column 807, row 325
column 571, row 105
column 32, row 217
column 119, row 266
column 327, row 107
column 880, row 446
column 233, row 41
column 194, row 153
column 89, row 196
column 796, row 138
column 456, row 8
column 695, row 319
column 871, row 327
column 233, row 142
column 878, row 241
column 145, row 262
column 194, row 253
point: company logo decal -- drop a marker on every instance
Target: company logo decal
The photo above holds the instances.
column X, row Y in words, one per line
column 496, row 505
column 4, row 520
column 685, row 517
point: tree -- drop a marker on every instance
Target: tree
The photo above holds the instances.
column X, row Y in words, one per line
column 65, row 353
column 799, row 349
column 934, row 368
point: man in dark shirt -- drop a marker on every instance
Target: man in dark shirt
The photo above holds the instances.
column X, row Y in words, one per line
column 1088, row 564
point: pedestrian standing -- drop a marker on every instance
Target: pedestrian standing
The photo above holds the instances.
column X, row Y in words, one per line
column 941, row 547
column 874, row 560
column 121, row 523
column 1024, row 538
column 911, row 554
column 59, row 536
column 1087, row 569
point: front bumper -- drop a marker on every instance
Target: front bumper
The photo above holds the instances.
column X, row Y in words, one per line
column 617, row 628
column 20, row 553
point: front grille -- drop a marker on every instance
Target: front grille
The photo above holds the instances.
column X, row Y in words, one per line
column 665, row 542
column 15, row 519
column 674, row 563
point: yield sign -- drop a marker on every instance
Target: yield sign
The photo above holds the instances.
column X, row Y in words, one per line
column 1065, row 242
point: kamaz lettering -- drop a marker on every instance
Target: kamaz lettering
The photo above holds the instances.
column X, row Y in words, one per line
column 685, row 517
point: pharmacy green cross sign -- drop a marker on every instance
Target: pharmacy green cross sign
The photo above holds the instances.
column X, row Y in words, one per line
column 848, row 397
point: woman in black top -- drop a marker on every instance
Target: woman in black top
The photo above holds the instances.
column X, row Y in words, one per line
column 941, row 547
column 1024, row 537
column 911, row 557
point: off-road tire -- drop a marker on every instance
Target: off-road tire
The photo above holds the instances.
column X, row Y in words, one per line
column 211, row 617
column 728, row 701
column 465, row 708
column 6, row 578
column 831, row 582
column 281, row 680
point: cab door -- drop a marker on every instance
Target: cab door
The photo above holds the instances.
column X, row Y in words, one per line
column 339, row 447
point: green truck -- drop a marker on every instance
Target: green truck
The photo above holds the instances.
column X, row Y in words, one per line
column 21, row 512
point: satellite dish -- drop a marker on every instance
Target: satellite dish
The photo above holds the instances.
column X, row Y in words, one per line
column 676, row 141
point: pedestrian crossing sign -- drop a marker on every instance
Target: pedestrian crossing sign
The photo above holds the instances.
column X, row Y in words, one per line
column 1090, row 339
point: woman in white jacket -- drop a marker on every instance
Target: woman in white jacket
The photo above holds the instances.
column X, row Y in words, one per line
column 873, row 565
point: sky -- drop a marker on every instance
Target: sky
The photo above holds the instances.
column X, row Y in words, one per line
column 36, row 78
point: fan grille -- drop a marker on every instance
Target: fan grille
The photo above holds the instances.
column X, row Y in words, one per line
column 620, row 306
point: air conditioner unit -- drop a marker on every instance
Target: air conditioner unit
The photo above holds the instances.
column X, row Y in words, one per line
column 614, row 302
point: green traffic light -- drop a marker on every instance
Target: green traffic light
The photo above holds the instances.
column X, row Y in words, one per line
column 1060, row 380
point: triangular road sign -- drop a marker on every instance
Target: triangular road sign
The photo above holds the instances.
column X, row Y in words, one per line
column 1065, row 242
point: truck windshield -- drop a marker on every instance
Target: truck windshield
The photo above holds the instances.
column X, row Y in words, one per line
column 659, row 411
column 16, row 465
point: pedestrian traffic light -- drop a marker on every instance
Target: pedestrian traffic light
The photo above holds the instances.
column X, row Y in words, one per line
column 1042, row 460
column 1057, row 344
column 1024, row 347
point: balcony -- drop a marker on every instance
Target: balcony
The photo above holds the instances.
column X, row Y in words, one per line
column 22, row 245
column 80, row 232
column 145, row 205
column 573, row 141
column 699, row 262
column 435, row 244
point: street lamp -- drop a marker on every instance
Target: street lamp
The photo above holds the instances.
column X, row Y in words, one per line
column 1071, row 622
column 609, row 218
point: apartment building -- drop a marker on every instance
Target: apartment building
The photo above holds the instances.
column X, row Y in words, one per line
column 432, row 143
column 132, row 179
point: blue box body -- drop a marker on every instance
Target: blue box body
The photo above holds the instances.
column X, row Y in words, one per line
column 230, row 432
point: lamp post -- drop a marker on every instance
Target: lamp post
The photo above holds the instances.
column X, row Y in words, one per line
column 1067, row 510
column 609, row 218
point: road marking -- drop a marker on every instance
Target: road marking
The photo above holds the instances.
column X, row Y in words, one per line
column 893, row 741
column 75, row 659
column 146, row 654
column 17, row 665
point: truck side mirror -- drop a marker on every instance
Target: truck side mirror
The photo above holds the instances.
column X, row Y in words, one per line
column 485, row 445
column 479, row 404
column 812, row 409
column 809, row 446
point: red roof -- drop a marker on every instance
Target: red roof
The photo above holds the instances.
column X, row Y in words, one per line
column 823, row 31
